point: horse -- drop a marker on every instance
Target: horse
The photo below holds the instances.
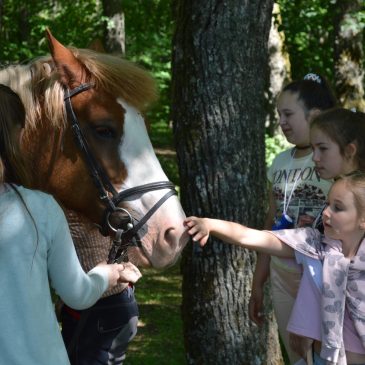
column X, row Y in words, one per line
column 87, row 144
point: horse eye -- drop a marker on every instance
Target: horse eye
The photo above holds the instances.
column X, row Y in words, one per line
column 105, row 132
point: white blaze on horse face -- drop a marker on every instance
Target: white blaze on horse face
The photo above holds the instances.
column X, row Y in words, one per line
column 136, row 151
column 166, row 236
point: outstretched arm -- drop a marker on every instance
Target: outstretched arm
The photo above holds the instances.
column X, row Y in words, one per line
column 236, row 234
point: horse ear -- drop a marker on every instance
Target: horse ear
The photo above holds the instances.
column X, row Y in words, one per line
column 69, row 68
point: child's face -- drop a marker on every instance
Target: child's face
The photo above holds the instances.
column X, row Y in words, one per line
column 292, row 119
column 341, row 219
column 329, row 160
column 327, row 157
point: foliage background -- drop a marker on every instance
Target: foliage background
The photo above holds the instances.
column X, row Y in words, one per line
column 307, row 25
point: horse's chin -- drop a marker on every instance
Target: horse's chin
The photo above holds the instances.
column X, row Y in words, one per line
column 160, row 255
column 138, row 257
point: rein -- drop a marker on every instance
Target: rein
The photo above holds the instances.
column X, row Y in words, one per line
column 127, row 233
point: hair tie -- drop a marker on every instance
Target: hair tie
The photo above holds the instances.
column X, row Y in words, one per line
column 313, row 77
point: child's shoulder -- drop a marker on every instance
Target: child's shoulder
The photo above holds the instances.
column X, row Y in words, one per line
column 283, row 157
column 306, row 240
column 36, row 198
column 33, row 193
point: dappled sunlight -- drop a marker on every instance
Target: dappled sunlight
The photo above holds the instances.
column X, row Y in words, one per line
column 158, row 287
column 160, row 337
column 141, row 324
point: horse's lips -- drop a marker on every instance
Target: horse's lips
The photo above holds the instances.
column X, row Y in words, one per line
column 160, row 254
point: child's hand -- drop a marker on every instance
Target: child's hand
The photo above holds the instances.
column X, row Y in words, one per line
column 256, row 306
column 121, row 273
column 113, row 272
column 129, row 274
column 198, row 228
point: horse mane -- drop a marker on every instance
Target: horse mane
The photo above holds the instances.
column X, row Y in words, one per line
column 38, row 85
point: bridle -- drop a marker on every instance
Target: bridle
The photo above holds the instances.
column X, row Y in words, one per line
column 126, row 234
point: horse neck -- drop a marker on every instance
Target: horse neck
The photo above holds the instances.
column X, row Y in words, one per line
column 41, row 146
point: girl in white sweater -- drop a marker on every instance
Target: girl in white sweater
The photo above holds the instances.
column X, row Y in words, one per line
column 36, row 251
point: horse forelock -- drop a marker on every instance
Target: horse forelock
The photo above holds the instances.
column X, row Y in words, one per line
column 120, row 77
column 39, row 87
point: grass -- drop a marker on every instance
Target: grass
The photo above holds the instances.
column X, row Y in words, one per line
column 159, row 340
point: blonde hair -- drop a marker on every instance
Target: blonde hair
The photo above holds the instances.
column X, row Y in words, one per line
column 343, row 127
column 12, row 116
column 355, row 182
column 42, row 93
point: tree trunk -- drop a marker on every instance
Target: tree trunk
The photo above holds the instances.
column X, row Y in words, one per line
column 114, row 37
column 349, row 53
column 219, row 77
column 1, row 14
column 23, row 19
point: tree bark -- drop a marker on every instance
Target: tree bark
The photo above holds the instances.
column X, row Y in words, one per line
column 23, row 19
column 114, row 37
column 349, row 53
column 219, row 78
column 1, row 14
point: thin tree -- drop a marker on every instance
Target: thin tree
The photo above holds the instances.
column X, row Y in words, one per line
column 219, row 78
column 1, row 12
column 114, row 34
column 349, row 53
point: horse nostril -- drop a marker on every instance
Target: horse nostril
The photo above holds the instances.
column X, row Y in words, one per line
column 169, row 235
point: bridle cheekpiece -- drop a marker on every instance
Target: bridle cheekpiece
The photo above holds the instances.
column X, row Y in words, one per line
column 126, row 234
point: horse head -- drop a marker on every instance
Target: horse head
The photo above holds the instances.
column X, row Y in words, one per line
column 87, row 144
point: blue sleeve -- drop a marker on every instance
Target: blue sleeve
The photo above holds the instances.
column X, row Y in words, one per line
column 76, row 288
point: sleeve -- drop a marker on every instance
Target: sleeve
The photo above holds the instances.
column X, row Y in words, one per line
column 304, row 240
column 76, row 288
column 279, row 161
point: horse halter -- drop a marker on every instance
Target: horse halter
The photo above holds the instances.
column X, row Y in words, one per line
column 127, row 233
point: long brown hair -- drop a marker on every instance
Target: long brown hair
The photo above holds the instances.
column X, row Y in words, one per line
column 12, row 116
column 343, row 127
column 12, row 163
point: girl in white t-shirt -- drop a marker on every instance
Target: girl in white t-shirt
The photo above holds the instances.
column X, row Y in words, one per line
column 296, row 196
